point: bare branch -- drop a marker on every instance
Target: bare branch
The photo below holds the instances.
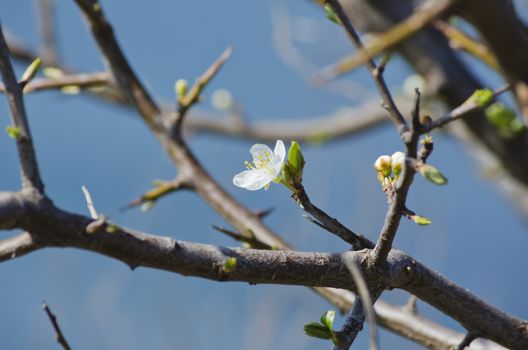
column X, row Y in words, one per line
column 55, row 324
column 329, row 223
column 397, row 195
column 28, row 161
column 388, row 101
column 17, row 246
column 117, row 63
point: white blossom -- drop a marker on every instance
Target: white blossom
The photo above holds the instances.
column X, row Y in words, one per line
column 266, row 167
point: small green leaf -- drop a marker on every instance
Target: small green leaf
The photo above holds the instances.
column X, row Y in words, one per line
column 31, row 70
column 327, row 319
column 317, row 330
column 500, row 115
column 482, row 97
column 432, row 174
column 421, row 220
column 331, row 15
column 13, row 132
column 229, row 264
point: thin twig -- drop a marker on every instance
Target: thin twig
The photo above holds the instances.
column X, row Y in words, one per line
column 89, row 203
column 329, row 223
column 461, row 111
column 191, row 97
column 58, row 332
column 253, row 242
column 386, row 96
column 28, row 160
column 161, row 190
column 397, row 195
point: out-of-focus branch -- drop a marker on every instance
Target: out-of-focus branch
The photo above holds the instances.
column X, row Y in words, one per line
column 325, row 128
column 420, row 18
column 29, row 171
column 461, row 41
column 46, row 21
column 80, row 81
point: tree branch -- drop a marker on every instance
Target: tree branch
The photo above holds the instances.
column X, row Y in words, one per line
column 55, row 324
column 18, row 246
column 377, row 75
column 28, row 161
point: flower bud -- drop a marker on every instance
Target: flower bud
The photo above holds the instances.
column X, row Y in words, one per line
column 181, row 86
column 383, row 165
column 397, row 161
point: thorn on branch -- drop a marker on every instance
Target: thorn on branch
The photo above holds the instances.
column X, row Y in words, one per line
column 251, row 241
column 261, row 214
column 59, row 336
column 468, row 339
column 162, row 189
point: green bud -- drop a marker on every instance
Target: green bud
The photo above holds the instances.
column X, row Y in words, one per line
column 229, row 264
column 13, row 132
column 482, row 97
column 327, row 319
column 331, row 15
column 421, row 220
column 500, row 115
column 296, row 161
column 317, row 330
column 181, row 87
column 432, row 174
column 31, row 70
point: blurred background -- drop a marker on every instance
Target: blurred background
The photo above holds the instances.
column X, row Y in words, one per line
column 102, row 304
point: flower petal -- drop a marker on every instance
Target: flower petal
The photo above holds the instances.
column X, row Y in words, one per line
column 252, row 179
column 280, row 150
column 261, row 152
column 280, row 156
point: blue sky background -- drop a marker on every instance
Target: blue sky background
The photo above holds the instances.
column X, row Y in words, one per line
column 101, row 304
